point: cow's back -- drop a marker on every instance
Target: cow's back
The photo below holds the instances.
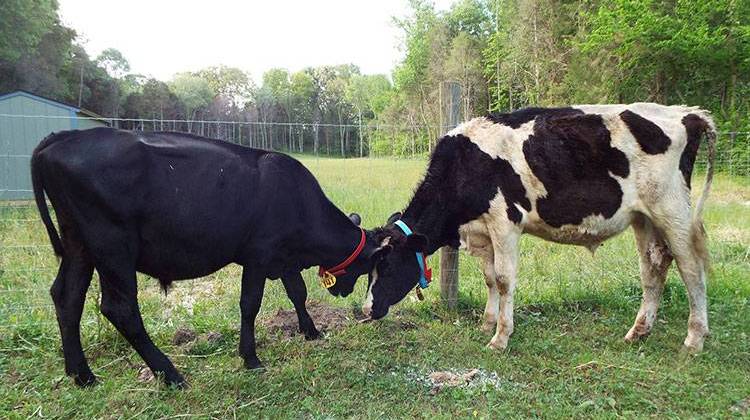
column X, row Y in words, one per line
column 587, row 169
column 187, row 203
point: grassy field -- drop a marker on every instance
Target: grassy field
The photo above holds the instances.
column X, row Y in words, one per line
column 566, row 358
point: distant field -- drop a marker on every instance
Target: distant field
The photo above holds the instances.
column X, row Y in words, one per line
column 566, row 357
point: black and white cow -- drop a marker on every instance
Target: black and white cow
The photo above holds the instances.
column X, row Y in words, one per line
column 577, row 175
column 177, row 206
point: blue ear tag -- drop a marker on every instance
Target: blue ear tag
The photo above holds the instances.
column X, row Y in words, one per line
column 425, row 274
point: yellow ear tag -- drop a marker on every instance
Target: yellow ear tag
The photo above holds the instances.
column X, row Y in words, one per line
column 328, row 280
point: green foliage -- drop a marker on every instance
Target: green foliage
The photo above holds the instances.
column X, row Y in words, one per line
column 503, row 54
column 23, row 24
column 471, row 17
column 35, row 50
column 681, row 52
column 368, row 93
column 193, row 91
column 114, row 63
column 230, row 82
column 152, row 99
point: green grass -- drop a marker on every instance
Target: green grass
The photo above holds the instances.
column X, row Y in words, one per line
column 571, row 309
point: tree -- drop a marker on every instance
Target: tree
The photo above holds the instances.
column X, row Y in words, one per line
column 194, row 92
column 47, row 69
column 366, row 93
column 676, row 52
column 464, row 65
column 278, row 84
column 114, row 63
column 302, row 89
column 230, row 82
column 23, row 24
column 505, row 54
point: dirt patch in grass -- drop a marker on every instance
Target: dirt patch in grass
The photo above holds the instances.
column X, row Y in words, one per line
column 399, row 321
column 183, row 335
column 742, row 407
column 454, row 378
column 327, row 318
column 12, row 377
column 192, row 342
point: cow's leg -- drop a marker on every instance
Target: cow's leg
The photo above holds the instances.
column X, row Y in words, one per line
column 69, row 294
column 687, row 245
column 251, row 297
column 655, row 259
column 505, row 243
column 693, row 272
column 120, row 306
column 493, row 297
column 297, row 293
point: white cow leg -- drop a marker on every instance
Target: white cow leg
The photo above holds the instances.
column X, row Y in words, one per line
column 655, row 259
column 506, row 261
column 504, row 328
column 693, row 273
column 688, row 249
column 493, row 297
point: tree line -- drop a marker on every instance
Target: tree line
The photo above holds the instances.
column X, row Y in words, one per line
column 502, row 54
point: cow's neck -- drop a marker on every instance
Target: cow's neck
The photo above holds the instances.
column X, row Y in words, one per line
column 429, row 213
column 437, row 208
column 334, row 238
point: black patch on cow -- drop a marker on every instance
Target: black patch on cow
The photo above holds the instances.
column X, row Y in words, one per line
column 512, row 188
column 572, row 156
column 521, row 116
column 461, row 181
column 650, row 137
column 695, row 127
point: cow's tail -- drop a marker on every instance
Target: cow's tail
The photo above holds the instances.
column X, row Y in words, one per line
column 37, row 183
column 699, row 239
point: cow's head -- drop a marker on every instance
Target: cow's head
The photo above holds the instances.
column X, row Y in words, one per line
column 373, row 252
column 398, row 273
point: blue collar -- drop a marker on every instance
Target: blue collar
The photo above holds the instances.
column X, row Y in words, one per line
column 425, row 274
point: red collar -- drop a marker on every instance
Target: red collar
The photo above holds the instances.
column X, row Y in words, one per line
column 341, row 268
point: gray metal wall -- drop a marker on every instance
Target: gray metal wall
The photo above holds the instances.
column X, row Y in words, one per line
column 19, row 136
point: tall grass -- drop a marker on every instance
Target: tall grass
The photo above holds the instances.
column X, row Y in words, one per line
column 566, row 357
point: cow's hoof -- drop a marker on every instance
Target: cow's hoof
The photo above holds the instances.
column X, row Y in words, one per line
column 692, row 346
column 498, row 344
column 176, row 381
column 253, row 364
column 632, row 336
column 488, row 326
column 85, row 379
column 314, row 334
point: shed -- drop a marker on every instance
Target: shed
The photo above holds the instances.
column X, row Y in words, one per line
column 26, row 119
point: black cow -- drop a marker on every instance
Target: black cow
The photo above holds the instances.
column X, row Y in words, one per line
column 177, row 206
column 576, row 175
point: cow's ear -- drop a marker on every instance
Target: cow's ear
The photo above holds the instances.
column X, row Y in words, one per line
column 354, row 217
column 395, row 216
column 380, row 253
column 416, row 242
column 382, row 250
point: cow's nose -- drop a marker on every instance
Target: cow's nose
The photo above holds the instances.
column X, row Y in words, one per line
column 367, row 310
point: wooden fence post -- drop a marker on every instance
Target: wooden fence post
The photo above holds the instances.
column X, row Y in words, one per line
column 449, row 255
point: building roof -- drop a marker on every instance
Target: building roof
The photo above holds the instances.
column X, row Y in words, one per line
column 52, row 102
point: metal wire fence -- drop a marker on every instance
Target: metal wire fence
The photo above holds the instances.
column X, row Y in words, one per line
column 28, row 266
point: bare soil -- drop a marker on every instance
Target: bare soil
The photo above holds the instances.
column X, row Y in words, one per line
column 326, row 318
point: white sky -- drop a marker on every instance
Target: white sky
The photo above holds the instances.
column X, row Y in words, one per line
column 163, row 37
